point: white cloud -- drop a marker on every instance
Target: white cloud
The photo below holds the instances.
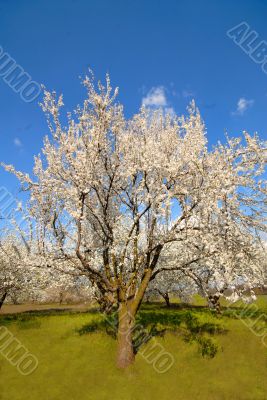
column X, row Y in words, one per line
column 156, row 97
column 17, row 142
column 242, row 106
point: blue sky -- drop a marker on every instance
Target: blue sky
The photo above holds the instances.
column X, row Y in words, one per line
column 165, row 52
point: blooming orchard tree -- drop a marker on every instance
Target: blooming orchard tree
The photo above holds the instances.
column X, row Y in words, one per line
column 233, row 271
column 61, row 288
column 232, row 268
column 14, row 277
column 109, row 196
column 233, row 280
column 173, row 282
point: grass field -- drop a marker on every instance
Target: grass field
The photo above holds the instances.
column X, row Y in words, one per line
column 76, row 364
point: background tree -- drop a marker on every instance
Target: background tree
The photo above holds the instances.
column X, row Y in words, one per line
column 172, row 283
column 15, row 277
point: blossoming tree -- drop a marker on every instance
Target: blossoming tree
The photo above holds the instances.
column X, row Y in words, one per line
column 232, row 268
column 109, row 195
column 14, row 277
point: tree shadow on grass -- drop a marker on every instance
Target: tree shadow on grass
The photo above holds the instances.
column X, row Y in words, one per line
column 154, row 322
column 25, row 319
column 237, row 310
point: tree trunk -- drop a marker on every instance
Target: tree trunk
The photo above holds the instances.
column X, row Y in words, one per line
column 214, row 303
column 2, row 299
column 125, row 356
column 61, row 298
column 167, row 299
column 218, row 306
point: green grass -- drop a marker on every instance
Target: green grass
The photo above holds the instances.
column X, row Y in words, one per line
column 77, row 351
